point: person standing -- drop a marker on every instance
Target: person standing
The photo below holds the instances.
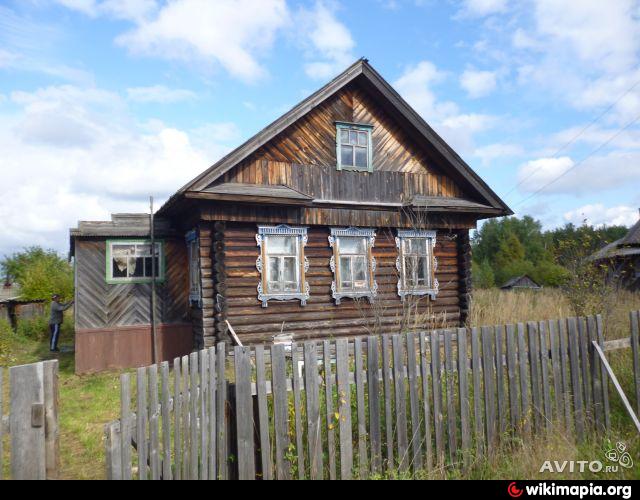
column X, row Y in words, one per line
column 55, row 320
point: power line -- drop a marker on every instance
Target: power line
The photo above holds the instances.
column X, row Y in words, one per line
column 575, row 137
column 573, row 167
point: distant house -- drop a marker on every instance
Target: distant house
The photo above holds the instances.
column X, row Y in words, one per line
column 623, row 258
column 13, row 307
column 323, row 224
column 521, row 282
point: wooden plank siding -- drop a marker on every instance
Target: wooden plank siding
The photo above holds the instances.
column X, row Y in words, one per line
column 321, row 317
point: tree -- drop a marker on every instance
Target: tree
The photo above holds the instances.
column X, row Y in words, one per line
column 40, row 273
column 483, row 276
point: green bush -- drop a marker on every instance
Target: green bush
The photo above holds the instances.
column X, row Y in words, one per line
column 34, row 328
column 5, row 332
column 483, row 276
column 550, row 274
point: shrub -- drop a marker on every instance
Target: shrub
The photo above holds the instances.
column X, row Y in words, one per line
column 5, row 332
column 483, row 276
column 34, row 328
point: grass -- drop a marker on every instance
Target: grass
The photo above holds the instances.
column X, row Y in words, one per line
column 88, row 402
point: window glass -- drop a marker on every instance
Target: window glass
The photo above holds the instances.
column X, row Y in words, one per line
column 134, row 261
column 361, row 157
column 416, row 263
column 347, row 156
column 354, row 148
column 282, row 264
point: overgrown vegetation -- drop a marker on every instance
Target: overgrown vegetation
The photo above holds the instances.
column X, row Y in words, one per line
column 39, row 272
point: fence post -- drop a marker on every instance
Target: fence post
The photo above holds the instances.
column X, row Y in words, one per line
column 51, row 432
column 113, row 451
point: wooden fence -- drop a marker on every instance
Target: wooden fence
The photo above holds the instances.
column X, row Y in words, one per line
column 32, row 423
column 352, row 409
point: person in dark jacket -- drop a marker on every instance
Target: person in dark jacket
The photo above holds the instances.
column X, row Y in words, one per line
column 55, row 320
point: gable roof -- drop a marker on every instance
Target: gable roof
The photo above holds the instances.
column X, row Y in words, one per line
column 627, row 246
column 369, row 78
column 524, row 281
column 632, row 237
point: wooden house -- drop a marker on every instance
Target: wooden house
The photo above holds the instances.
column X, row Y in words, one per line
column 623, row 259
column 346, row 216
column 523, row 282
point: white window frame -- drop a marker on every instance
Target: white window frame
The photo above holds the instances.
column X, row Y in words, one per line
column 302, row 264
column 193, row 251
column 337, row 292
column 432, row 288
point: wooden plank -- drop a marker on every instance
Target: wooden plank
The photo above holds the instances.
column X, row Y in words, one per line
column 186, row 419
column 363, row 465
column 558, row 393
column 414, row 405
column 203, row 364
column 193, row 417
column 112, row 449
column 477, row 391
column 244, row 414
column 400, row 402
column 263, row 415
column 635, row 352
column 297, row 407
column 566, row 374
column 583, row 342
column 596, row 380
column 426, row 405
column 387, row 378
column 213, row 413
column 488, row 368
column 534, row 366
column 142, row 418
column 373, row 383
column 463, row 392
column 604, row 376
column 452, row 419
column 438, row 418
column 512, row 378
column 165, row 393
column 28, row 454
column 177, row 419
column 329, row 382
column 52, row 430
column 154, row 424
column 524, row 380
column 280, row 410
column 616, row 384
column 221, row 409
column 314, row 427
column 578, row 410
column 125, row 425
column 544, row 372
column 500, row 393
column 344, row 409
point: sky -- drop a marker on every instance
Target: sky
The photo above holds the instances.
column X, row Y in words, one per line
column 106, row 102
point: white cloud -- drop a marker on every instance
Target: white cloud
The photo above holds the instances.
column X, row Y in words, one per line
column 159, row 94
column 132, row 10
column 481, row 8
column 599, row 215
column 492, row 152
column 478, row 83
column 416, row 86
column 74, row 153
column 326, row 39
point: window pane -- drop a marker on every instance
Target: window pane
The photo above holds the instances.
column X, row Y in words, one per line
column 143, row 250
column 345, row 269
column 361, row 157
column 281, row 245
column 289, row 269
column 362, row 138
column 423, row 268
column 353, row 137
column 147, row 268
column 352, row 245
column 344, row 136
column 119, row 267
column 346, row 156
column 274, row 269
column 136, row 267
column 122, row 250
column 410, row 270
column 359, row 268
column 420, row 246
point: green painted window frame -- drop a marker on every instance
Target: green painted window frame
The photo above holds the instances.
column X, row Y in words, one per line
column 126, row 281
column 340, row 126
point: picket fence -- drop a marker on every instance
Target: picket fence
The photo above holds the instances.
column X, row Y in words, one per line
column 390, row 405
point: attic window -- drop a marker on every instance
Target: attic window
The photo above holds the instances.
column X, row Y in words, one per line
column 354, row 151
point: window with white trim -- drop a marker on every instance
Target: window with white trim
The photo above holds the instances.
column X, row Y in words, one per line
column 416, row 263
column 193, row 249
column 131, row 261
column 282, row 264
column 354, row 148
column 352, row 263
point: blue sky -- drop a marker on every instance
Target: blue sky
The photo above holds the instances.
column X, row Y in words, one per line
column 103, row 102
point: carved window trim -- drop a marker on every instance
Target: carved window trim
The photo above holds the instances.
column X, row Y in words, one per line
column 302, row 263
column 334, row 242
column 193, row 250
column 433, row 288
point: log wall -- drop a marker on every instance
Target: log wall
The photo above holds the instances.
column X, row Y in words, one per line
column 321, row 317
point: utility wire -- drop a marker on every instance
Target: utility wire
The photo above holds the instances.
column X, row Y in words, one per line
column 575, row 137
